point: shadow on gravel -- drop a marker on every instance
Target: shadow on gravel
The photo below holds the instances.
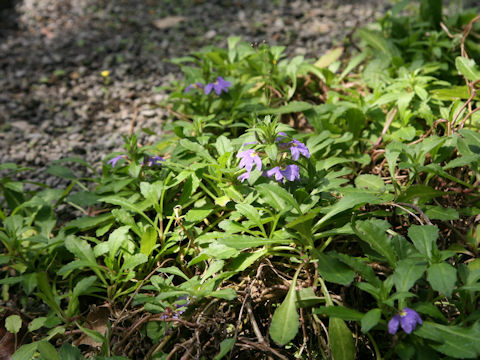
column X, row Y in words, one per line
column 55, row 103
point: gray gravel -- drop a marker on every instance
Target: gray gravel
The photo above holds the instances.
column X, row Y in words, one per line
column 54, row 103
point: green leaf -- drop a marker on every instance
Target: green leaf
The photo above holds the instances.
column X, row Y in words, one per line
column 148, row 240
column 442, row 277
column 25, row 352
column 37, row 323
column 278, row 197
column 419, row 194
column 330, row 57
column 250, row 213
column 306, row 298
column 370, row 182
column 152, row 192
column 245, row 241
column 94, row 335
column 378, row 42
column 285, row 320
column 441, row 213
column 349, row 201
column 378, row 240
column 227, row 294
column 47, row 350
column 455, row 341
column 13, row 323
column 333, row 270
column 424, row 238
column 116, row 239
column 370, row 319
column 467, row 68
column 174, row 271
column 407, row 273
column 342, row 346
column 196, row 215
column 70, row 352
column 225, row 346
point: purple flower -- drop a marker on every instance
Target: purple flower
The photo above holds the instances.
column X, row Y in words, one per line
column 197, row 85
column 155, row 160
column 291, row 173
column 282, row 136
column 249, row 158
column 218, row 86
column 298, row 148
column 113, row 161
column 277, row 173
column 407, row 318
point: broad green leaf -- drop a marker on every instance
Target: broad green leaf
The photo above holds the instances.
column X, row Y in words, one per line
column 370, row 182
column 245, row 260
column 467, row 68
column 196, row 215
column 47, row 351
column 333, row 270
column 13, row 323
column 94, row 335
column 148, row 240
column 225, row 347
column 370, row 319
column 424, row 238
column 278, row 197
column 442, row 277
column 407, row 273
column 285, row 320
column 88, row 222
column 25, row 352
column 342, row 346
column 197, row 149
column 455, row 341
column 419, row 194
column 70, row 352
column 378, row 240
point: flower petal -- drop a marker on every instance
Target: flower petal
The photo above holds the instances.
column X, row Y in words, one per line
column 393, row 324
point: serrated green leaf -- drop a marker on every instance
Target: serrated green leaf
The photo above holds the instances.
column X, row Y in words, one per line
column 333, row 270
column 370, row 182
column 468, row 68
column 407, row 273
column 378, row 240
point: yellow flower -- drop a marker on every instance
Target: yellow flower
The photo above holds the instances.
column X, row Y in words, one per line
column 105, row 73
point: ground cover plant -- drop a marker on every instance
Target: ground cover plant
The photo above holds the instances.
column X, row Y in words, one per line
column 296, row 208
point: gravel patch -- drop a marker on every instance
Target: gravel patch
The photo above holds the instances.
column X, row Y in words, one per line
column 54, row 101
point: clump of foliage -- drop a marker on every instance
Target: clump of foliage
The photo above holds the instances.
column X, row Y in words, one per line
column 295, row 209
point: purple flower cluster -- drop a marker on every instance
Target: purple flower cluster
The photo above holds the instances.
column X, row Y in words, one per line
column 151, row 161
column 279, row 173
column 290, row 173
column 218, row 86
column 407, row 319
column 180, row 306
